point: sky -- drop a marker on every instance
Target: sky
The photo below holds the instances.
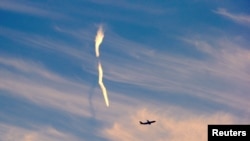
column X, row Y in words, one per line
column 185, row 64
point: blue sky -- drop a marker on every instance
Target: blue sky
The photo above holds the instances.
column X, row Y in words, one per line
column 184, row 64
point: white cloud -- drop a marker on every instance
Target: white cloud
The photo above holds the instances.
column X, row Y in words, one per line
column 69, row 51
column 133, row 6
column 172, row 124
column 30, row 80
column 239, row 18
column 31, row 67
column 28, row 8
column 15, row 133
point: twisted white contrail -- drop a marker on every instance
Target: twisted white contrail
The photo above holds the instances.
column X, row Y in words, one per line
column 104, row 91
column 98, row 40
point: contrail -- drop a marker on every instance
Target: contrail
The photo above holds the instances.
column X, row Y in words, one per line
column 104, row 91
column 98, row 40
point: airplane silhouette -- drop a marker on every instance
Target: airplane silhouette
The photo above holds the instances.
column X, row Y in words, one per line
column 148, row 122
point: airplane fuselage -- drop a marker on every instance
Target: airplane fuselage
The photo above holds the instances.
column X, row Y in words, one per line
column 147, row 122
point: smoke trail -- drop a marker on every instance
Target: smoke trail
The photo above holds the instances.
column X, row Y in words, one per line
column 104, row 91
column 90, row 97
column 98, row 40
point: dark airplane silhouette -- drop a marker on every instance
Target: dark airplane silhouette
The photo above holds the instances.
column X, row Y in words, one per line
column 148, row 122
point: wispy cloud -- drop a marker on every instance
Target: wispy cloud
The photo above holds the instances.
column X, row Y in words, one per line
column 132, row 6
column 239, row 18
column 31, row 67
column 28, row 8
column 11, row 133
column 58, row 46
column 29, row 80
column 172, row 124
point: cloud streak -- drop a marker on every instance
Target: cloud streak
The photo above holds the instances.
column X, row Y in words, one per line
column 172, row 124
column 238, row 18
column 28, row 8
column 11, row 133
column 42, row 86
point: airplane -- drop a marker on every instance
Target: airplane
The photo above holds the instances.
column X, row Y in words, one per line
column 148, row 122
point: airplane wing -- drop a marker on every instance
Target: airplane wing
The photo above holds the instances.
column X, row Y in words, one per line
column 143, row 122
column 152, row 121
